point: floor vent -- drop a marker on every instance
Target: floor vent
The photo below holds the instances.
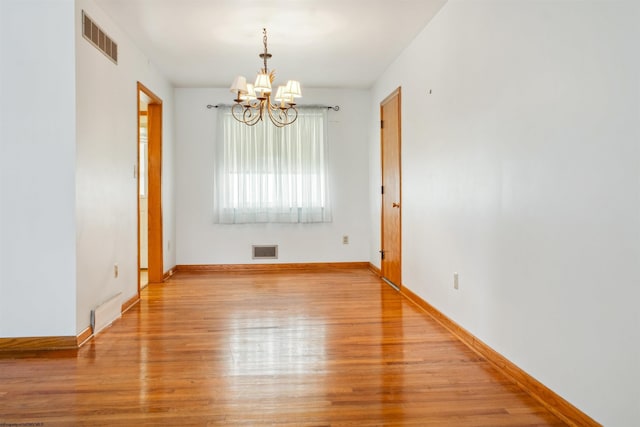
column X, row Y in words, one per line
column 106, row 313
column 265, row 251
column 94, row 34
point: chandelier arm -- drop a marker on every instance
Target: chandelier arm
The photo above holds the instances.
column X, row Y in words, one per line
column 270, row 109
column 283, row 116
column 252, row 115
column 236, row 110
column 246, row 114
column 280, row 115
column 295, row 113
column 273, row 119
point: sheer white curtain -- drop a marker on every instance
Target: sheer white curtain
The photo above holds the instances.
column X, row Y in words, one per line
column 270, row 174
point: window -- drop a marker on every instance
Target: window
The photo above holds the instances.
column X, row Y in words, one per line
column 270, row 174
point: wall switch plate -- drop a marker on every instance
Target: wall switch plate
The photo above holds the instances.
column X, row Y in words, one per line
column 455, row 280
column 345, row 240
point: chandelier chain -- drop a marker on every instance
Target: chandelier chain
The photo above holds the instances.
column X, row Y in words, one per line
column 266, row 53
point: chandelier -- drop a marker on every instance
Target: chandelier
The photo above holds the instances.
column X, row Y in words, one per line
column 253, row 101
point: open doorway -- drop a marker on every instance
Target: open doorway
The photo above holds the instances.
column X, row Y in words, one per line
column 150, row 257
column 143, row 188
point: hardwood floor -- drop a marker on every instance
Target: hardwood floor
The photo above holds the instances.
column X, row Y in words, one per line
column 336, row 348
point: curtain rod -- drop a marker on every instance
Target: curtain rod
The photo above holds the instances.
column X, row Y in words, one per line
column 334, row 108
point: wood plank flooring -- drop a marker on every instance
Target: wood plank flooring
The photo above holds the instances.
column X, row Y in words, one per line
column 331, row 348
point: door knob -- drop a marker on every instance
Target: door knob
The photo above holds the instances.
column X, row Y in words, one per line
column 395, row 205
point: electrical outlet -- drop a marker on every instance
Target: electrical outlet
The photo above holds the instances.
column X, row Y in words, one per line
column 345, row 240
column 455, row 280
column 115, row 271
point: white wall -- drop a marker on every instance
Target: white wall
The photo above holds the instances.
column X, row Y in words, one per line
column 200, row 241
column 37, row 163
column 106, row 154
column 521, row 172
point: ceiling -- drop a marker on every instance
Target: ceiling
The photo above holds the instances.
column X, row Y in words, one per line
column 321, row 43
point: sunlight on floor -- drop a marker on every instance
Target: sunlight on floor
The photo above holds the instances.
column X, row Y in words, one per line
column 144, row 278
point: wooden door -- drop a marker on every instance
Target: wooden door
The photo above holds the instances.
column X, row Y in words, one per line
column 391, row 252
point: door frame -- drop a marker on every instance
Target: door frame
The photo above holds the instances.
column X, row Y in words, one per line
column 396, row 93
column 154, row 192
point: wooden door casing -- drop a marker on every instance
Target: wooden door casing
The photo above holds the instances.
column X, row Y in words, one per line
column 154, row 196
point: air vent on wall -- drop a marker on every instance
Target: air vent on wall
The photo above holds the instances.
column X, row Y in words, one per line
column 265, row 252
column 98, row 38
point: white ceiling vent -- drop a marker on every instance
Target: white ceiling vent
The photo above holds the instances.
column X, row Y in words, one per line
column 98, row 38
